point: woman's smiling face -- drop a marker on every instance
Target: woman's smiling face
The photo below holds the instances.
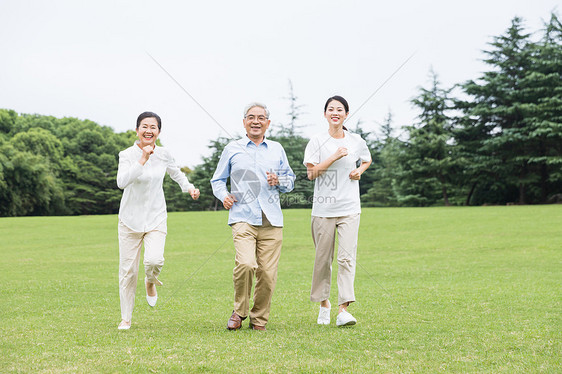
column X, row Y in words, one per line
column 148, row 131
column 335, row 113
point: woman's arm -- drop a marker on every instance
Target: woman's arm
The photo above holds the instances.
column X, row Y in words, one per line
column 314, row 171
column 128, row 171
column 356, row 173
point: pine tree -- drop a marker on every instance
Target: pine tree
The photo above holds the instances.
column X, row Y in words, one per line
column 426, row 160
column 543, row 84
column 494, row 122
column 384, row 150
column 510, row 133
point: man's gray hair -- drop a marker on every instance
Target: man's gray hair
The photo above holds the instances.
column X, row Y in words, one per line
column 255, row 104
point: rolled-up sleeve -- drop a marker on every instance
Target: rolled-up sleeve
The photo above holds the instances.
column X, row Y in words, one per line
column 286, row 175
column 218, row 182
column 364, row 153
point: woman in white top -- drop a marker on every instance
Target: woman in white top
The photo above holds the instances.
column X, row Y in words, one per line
column 332, row 160
column 142, row 214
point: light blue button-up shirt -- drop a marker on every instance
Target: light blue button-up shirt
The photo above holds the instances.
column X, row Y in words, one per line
column 246, row 164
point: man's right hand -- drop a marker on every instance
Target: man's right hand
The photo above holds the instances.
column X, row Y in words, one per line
column 229, row 201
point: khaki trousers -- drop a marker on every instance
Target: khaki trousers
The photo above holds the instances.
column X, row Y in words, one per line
column 130, row 243
column 324, row 235
column 258, row 249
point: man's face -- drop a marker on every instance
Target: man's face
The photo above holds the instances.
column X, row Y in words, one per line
column 256, row 123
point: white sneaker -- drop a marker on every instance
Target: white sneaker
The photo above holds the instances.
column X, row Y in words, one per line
column 151, row 300
column 345, row 319
column 124, row 325
column 324, row 316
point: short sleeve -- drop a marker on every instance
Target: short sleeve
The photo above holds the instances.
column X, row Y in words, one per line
column 364, row 153
column 312, row 152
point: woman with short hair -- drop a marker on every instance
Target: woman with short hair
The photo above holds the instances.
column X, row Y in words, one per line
column 142, row 213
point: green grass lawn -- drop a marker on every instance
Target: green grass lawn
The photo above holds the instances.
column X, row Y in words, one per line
column 438, row 290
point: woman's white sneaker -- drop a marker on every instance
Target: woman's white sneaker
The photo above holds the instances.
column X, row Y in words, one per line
column 151, row 300
column 345, row 319
column 323, row 316
column 124, row 325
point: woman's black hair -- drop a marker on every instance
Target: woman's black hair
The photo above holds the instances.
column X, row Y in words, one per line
column 149, row 115
column 342, row 101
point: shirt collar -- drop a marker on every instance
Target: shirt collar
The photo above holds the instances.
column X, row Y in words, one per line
column 246, row 141
column 136, row 145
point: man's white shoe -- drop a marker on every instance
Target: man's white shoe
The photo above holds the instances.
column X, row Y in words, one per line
column 323, row 316
column 345, row 319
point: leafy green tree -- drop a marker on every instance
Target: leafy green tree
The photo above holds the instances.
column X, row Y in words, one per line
column 27, row 184
column 7, row 120
column 75, row 165
column 40, row 142
column 91, row 168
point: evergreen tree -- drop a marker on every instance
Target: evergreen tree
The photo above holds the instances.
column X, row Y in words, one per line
column 494, row 127
column 510, row 133
column 201, row 178
column 384, row 150
column 367, row 177
column 292, row 127
column 294, row 144
column 543, row 113
column 426, row 160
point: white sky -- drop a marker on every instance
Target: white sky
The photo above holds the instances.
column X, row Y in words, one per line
column 88, row 59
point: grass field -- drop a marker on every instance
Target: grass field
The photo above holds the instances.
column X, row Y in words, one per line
column 438, row 290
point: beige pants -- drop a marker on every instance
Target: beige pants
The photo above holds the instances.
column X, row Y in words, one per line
column 324, row 235
column 258, row 249
column 130, row 243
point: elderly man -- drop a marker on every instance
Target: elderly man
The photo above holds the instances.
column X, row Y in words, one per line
column 258, row 171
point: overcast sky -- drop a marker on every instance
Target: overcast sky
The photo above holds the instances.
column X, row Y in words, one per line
column 90, row 59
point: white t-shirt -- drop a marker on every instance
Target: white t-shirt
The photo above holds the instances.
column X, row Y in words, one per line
column 335, row 194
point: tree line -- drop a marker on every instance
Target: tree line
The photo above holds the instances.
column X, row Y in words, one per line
column 496, row 139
